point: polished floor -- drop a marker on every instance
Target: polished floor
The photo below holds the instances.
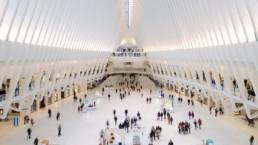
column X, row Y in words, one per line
column 84, row 128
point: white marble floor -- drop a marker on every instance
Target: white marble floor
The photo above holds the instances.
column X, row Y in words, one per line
column 84, row 128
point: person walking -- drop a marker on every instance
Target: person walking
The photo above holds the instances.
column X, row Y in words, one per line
column 216, row 112
column 114, row 112
column 109, row 97
column 164, row 113
column 115, row 119
column 126, row 112
column 29, row 133
column 49, row 113
column 189, row 114
column 127, row 125
column 107, row 124
column 195, row 124
column 192, row 102
column 251, row 140
column 192, row 114
column 210, row 108
column 36, row 141
column 59, row 130
column 220, row 111
column 171, row 120
column 158, row 116
column 31, row 122
column 170, row 142
column 161, row 116
column 139, row 115
column 121, row 97
column 200, row 123
column 57, row 116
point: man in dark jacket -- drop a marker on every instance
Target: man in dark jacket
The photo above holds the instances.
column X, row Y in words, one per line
column 170, row 142
column 36, row 141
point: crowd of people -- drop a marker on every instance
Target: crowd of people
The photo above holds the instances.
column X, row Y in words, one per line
column 129, row 123
column 190, row 102
column 198, row 123
column 125, row 87
column 184, row 127
column 155, row 133
column 82, row 107
column 217, row 111
column 191, row 114
column 165, row 115
column 36, row 139
column 148, row 100
column 180, row 99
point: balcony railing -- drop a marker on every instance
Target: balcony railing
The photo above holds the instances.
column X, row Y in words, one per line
column 129, row 54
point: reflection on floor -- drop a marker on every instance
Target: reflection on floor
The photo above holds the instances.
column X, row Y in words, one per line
column 84, row 128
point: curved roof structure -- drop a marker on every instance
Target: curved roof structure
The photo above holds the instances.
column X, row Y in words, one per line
column 79, row 24
column 184, row 24
column 207, row 48
column 156, row 25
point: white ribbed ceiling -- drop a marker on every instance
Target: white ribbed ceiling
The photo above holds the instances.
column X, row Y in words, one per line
column 184, row 24
column 155, row 24
column 74, row 24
